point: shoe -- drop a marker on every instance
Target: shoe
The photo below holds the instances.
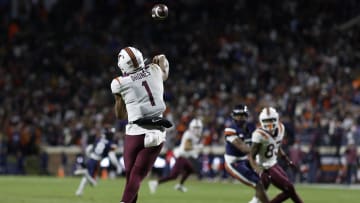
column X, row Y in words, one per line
column 180, row 187
column 254, row 200
column 153, row 184
column 79, row 193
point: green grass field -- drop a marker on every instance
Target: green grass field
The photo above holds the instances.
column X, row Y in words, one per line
column 56, row 190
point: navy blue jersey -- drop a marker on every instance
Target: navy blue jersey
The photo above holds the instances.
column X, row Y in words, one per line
column 243, row 133
column 101, row 148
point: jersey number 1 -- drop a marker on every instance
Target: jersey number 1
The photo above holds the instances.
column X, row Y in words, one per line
column 147, row 88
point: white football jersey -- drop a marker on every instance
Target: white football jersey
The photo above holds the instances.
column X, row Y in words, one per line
column 267, row 156
column 180, row 150
column 142, row 93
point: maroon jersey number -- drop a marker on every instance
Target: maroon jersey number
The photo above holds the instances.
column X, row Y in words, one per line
column 147, row 88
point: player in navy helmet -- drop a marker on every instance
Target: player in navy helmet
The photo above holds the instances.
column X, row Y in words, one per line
column 237, row 147
column 240, row 113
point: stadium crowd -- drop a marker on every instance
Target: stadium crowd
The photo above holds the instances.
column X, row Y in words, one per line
column 57, row 59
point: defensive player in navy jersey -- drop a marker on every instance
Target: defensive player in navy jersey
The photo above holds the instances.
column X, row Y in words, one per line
column 237, row 147
column 101, row 148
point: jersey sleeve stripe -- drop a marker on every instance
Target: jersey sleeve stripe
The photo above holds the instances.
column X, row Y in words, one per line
column 117, row 79
column 229, row 131
column 263, row 134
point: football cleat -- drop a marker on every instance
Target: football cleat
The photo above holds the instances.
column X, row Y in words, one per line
column 180, row 187
column 254, row 200
column 79, row 193
column 153, row 184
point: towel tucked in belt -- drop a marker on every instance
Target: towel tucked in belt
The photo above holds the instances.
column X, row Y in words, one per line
column 153, row 120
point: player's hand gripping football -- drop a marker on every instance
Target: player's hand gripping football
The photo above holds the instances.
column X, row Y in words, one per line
column 163, row 63
column 158, row 59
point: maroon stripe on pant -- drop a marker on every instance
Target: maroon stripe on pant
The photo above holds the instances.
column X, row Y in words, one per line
column 138, row 162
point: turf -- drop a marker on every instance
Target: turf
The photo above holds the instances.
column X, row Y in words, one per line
column 61, row 190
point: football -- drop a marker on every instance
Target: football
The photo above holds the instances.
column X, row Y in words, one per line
column 160, row 11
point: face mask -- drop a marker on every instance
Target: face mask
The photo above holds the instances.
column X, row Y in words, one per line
column 240, row 122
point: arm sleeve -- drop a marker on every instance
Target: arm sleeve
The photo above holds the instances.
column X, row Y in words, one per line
column 230, row 134
column 231, row 138
column 115, row 85
column 256, row 137
column 185, row 136
column 88, row 150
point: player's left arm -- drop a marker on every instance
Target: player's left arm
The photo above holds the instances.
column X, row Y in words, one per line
column 120, row 107
column 89, row 149
column 282, row 155
column 239, row 144
column 254, row 150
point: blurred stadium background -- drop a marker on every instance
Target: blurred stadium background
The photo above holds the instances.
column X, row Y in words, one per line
column 57, row 59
